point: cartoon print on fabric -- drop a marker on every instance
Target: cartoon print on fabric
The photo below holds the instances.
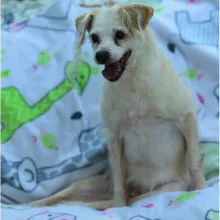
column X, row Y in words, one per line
column 198, row 32
column 7, row 18
column 152, row 3
column 81, row 78
column 52, row 216
column 148, row 206
column 14, row 27
column 210, row 160
column 193, row 73
column 24, row 175
column 212, row 215
column 47, row 140
column 76, row 116
column 193, row 1
column 183, row 198
column 110, row 3
column 139, row 217
column 43, row 59
column 6, row 199
column 61, row 14
column 15, row 111
column 4, row 73
column 200, row 98
column 18, row 12
column 216, row 94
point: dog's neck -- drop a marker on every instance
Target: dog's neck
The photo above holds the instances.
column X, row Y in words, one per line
column 145, row 51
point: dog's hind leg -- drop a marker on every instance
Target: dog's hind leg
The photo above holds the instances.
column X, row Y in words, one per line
column 85, row 191
column 168, row 187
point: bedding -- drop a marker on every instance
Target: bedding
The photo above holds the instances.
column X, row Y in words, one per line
column 198, row 205
column 12, row 11
column 51, row 131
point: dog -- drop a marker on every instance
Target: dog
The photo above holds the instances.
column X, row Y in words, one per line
column 149, row 115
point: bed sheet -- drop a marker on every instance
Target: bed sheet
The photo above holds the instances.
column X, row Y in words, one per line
column 51, row 132
column 50, row 127
column 13, row 11
column 198, row 205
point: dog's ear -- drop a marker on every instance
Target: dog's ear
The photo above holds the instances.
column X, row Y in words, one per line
column 84, row 23
column 138, row 15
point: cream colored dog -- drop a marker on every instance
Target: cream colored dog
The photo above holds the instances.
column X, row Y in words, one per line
column 148, row 113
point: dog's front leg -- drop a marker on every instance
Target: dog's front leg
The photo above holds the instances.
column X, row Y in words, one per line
column 189, row 128
column 115, row 145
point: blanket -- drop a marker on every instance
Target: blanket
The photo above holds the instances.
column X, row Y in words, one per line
column 13, row 11
column 51, row 131
column 196, row 205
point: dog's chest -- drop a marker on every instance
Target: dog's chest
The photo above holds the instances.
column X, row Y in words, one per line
column 136, row 117
column 126, row 107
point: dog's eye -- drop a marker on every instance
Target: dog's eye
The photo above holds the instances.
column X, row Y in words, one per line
column 119, row 35
column 95, row 38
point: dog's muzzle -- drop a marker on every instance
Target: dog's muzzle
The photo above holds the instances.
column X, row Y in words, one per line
column 113, row 71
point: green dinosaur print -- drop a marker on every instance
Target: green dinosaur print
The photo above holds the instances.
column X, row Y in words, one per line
column 184, row 197
column 212, row 215
column 15, row 111
column 95, row 71
column 43, row 58
column 5, row 73
column 81, row 78
column 48, row 141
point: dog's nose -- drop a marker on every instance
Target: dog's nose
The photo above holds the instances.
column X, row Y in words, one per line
column 102, row 57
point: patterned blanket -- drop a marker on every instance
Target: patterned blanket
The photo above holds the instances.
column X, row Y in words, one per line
column 51, row 132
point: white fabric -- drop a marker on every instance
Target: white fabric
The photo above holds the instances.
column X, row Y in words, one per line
column 193, row 29
column 43, row 150
column 198, row 205
column 50, row 145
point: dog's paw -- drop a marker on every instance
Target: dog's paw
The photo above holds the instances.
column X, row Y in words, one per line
column 200, row 185
column 119, row 202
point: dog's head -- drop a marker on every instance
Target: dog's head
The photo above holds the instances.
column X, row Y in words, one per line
column 115, row 34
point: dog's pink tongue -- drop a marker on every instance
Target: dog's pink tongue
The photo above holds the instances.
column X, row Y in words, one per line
column 110, row 71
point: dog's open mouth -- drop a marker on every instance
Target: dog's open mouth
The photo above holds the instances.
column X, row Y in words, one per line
column 113, row 71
